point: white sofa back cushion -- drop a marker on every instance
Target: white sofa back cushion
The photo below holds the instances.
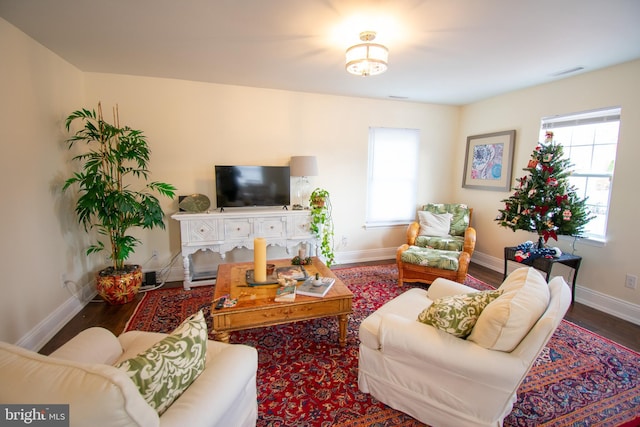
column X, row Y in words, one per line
column 103, row 395
column 506, row 320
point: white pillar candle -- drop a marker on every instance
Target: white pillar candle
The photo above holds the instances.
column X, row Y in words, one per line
column 260, row 259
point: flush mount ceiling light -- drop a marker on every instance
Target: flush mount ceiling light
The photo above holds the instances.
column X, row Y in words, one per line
column 367, row 59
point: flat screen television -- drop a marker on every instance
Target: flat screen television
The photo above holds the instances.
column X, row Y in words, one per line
column 244, row 186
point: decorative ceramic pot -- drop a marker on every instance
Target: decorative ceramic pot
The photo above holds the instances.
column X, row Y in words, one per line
column 318, row 202
column 119, row 287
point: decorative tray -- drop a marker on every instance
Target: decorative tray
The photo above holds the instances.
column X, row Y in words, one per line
column 296, row 272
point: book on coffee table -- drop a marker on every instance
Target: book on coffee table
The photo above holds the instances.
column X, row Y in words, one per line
column 311, row 289
column 286, row 293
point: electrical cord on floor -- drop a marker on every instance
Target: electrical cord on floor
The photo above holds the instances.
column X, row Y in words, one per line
column 163, row 272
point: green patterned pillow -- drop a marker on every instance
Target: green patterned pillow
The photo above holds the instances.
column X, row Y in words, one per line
column 457, row 314
column 164, row 371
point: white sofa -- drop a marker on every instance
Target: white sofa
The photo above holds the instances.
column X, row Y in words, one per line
column 81, row 373
column 444, row 380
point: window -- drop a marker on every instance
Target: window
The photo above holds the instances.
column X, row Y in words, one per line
column 392, row 176
column 589, row 140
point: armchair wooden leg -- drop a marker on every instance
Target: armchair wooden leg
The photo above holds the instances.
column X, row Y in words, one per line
column 399, row 263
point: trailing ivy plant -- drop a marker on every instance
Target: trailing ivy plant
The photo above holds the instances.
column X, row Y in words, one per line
column 322, row 223
column 115, row 158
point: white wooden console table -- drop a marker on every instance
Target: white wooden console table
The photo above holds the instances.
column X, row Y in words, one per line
column 235, row 228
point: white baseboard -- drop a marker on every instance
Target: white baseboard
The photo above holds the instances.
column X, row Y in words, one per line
column 608, row 304
column 347, row 257
column 42, row 333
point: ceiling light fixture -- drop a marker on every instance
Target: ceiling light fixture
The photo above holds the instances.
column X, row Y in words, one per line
column 367, row 59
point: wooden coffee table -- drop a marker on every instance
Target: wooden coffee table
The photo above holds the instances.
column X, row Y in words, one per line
column 256, row 306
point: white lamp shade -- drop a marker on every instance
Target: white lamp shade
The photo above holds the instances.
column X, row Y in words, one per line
column 303, row 166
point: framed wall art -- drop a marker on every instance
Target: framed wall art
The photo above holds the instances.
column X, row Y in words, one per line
column 488, row 161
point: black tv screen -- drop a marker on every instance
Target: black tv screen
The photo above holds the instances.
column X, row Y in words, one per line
column 242, row 186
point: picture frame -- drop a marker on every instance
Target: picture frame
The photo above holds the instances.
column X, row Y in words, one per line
column 488, row 161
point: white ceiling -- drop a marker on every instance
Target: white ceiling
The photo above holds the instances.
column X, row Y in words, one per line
column 441, row 51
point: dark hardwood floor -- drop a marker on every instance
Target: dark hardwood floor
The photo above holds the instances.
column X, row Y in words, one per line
column 114, row 318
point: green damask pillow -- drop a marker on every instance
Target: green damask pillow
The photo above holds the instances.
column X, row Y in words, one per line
column 164, row 371
column 457, row 314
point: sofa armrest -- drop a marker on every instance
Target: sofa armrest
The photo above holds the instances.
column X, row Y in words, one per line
column 412, row 233
column 93, row 345
column 417, row 344
column 225, row 386
column 442, row 287
column 469, row 240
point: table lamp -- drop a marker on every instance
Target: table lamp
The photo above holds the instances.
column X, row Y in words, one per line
column 303, row 167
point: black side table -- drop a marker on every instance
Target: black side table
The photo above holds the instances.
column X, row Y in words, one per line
column 546, row 264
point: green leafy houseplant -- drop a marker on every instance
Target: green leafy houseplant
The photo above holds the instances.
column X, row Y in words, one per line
column 322, row 222
column 115, row 158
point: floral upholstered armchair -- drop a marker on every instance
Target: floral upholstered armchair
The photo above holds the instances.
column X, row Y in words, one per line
column 439, row 244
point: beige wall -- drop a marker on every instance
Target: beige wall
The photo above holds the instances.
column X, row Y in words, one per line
column 37, row 242
column 604, row 267
column 191, row 126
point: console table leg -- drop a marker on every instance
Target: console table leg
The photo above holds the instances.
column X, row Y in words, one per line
column 186, row 283
column 342, row 323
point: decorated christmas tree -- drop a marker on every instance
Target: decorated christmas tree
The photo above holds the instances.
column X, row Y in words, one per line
column 544, row 202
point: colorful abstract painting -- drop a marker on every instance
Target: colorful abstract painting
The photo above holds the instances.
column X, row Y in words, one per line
column 487, row 161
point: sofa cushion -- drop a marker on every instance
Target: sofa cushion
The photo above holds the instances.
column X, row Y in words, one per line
column 164, row 371
column 444, row 260
column 460, row 212
column 433, row 224
column 457, row 314
column 506, row 321
column 448, row 243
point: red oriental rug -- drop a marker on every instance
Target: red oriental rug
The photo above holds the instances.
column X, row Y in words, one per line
column 306, row 379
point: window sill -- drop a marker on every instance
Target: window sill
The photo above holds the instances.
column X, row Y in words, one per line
column 588, row 241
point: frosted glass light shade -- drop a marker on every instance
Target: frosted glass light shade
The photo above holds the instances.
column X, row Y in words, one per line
column 367, row 59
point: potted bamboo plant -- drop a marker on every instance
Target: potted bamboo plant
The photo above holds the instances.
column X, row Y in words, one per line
column 322, row 223
column 115, row 159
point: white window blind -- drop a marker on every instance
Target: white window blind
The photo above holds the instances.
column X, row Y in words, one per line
column 589, row 140
column 392, row 176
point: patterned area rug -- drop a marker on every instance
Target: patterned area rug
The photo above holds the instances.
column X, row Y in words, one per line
column 306, row 379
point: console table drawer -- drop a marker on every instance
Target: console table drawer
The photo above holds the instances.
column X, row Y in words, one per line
column 275, row 227
column 202, row 231
column 237, row 228
column 301, row 226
